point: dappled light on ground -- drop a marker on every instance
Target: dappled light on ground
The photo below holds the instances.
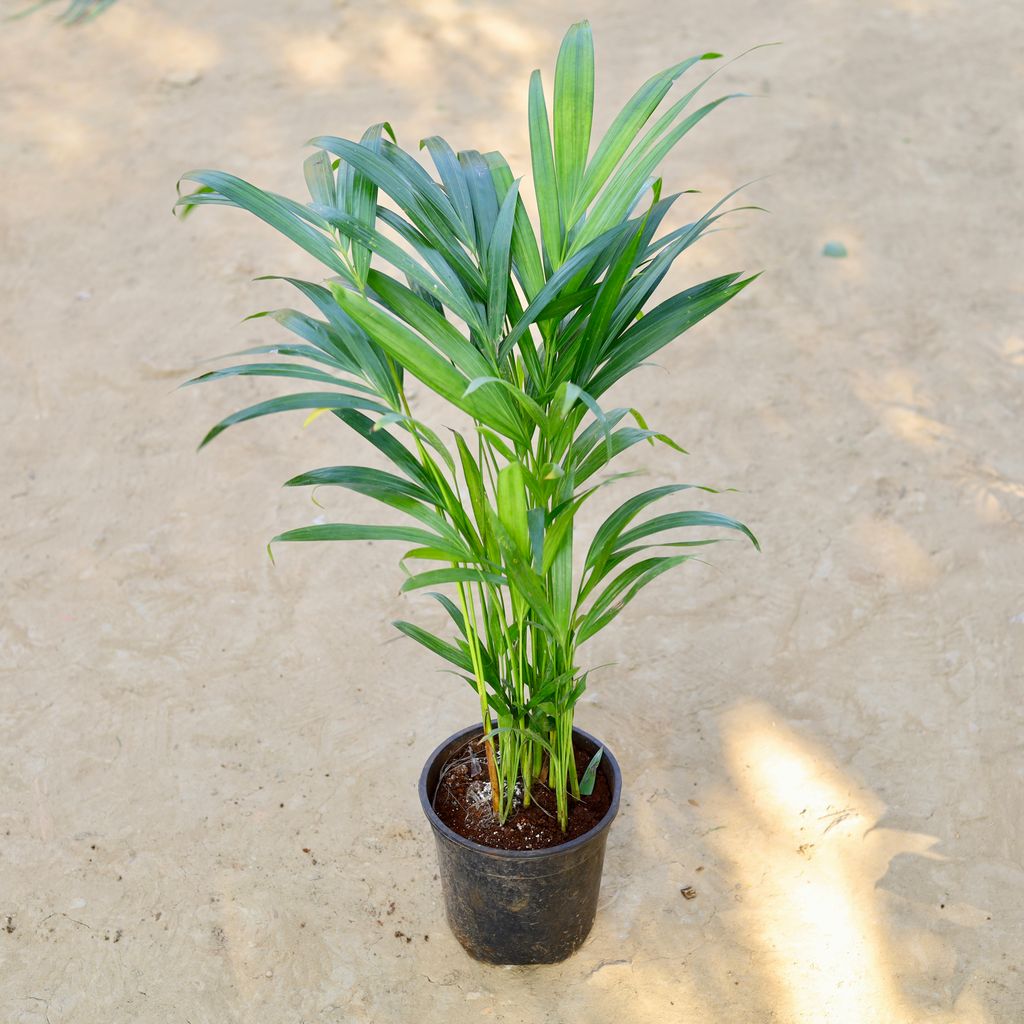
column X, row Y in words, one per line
column 1013, row 350
column 157, row 39
column 810, row 860
column 892, row 551
column 314, row 58
column 434, row 57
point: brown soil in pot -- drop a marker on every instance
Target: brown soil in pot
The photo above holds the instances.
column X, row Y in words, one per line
column 463, row 802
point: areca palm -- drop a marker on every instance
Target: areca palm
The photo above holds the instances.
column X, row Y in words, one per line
column 444, row 278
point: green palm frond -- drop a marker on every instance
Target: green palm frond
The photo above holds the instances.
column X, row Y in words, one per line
column 76, row 11
column 524, row 328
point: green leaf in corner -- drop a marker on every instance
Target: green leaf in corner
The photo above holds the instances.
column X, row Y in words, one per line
column 573, row 110
column 590, row 775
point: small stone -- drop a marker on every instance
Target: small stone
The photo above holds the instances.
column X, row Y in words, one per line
column 183, row 77
column 689, row 893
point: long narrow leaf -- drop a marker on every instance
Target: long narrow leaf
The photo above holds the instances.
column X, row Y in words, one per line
column 624, row 129
column 272, row 210
column 573, row 110
column 664, row 324
column 544, row 181
column 286, row 403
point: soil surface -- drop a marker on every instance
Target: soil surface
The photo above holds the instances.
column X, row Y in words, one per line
column 823, row 740
column 463, row 802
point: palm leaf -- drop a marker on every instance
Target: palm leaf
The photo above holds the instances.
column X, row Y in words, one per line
column 76, row 11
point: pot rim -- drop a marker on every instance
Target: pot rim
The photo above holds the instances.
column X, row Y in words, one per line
column 607, row 758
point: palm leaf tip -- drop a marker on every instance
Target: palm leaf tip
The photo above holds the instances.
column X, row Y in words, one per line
column 523, row 324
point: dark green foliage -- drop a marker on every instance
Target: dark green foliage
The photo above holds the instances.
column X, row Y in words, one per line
column 524, row 329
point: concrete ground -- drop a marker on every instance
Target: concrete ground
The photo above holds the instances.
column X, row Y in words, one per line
column 824, row 741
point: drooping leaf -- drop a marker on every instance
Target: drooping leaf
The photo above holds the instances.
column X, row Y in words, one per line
column 269, row 208
column 286, row 403
column 293, row 370
column 363, row 479
column 438, row 576
column 435, row 644
column 675, row 520
column 357, row 531
column 635, row 578
column 662, row 325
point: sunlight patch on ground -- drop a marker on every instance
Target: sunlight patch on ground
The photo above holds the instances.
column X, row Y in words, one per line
column 163, row 42
column 811, row 859
column 1013, row 350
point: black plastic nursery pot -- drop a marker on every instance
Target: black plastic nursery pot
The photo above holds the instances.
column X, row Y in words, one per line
column 519, row 906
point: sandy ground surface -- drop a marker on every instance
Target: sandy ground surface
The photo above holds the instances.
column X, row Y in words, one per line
column 824, row 741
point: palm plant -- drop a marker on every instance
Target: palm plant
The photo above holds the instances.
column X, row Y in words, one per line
column 524, row 331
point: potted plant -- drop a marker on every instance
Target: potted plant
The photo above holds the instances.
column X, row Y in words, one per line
column 524, row 331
